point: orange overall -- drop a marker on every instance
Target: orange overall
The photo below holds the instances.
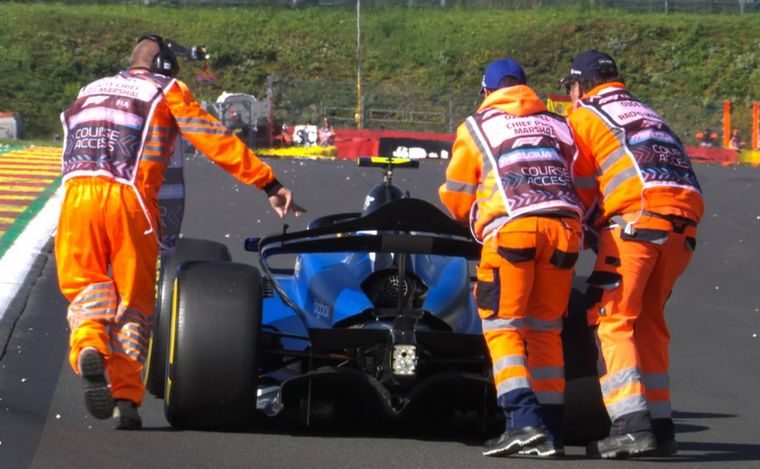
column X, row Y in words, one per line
column 120, row 135
column 510, row 165
column 637, row 181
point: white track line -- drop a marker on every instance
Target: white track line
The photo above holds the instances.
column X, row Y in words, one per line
column 19, row 258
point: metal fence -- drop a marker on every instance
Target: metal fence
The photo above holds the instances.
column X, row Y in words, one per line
column 306, row 102
column 663, row 6
column 692, row 6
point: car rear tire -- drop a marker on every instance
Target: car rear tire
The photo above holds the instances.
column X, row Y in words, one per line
column 186, row 249
column 212, row 377
column 586, row 418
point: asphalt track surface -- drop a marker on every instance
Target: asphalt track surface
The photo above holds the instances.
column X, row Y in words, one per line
column 714, row 316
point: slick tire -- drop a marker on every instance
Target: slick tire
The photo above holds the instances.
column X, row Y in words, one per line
column 212, row 377
column 186, row 249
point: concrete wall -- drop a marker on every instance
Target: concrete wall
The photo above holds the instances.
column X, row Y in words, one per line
column 10, row 126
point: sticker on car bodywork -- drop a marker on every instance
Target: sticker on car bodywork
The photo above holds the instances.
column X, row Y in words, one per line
column 322, row 310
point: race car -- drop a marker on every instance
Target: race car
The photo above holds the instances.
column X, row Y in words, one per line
column 365, row 315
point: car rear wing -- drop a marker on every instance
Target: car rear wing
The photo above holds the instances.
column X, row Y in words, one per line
column 404, row 226
column 384, row 162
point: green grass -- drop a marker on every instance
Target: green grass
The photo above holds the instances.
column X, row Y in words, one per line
column 685, row 64
column 24, row 143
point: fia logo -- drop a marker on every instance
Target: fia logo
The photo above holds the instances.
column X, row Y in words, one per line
column 122, row 103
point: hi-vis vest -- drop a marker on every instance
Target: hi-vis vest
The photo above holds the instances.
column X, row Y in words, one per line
column 659, row 158
column 106, row 127
column 530, row 157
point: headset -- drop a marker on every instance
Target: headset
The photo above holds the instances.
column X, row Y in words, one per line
column 165, row 61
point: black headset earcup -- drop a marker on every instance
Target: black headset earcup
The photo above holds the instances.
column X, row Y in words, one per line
column 165, row 63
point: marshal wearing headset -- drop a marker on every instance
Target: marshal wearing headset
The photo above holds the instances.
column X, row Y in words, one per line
column 120, row 135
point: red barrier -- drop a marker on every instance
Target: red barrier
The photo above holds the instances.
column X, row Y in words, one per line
column 353, row 143
column 713, row 155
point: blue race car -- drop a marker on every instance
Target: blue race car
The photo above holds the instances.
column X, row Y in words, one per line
column 366, row 315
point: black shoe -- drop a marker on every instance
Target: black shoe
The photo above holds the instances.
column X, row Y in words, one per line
column 97, row 394
column 125, row 415
column 546, row 449
column 664, row 433
column 510, row 442
column 620, row 446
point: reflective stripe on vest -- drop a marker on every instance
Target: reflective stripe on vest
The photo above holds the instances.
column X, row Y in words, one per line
column 656, row 154
column 106, row 127
column 529, row 154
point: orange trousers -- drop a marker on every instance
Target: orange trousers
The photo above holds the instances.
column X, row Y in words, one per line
column 524, row 282
column 106, row 257
column 633, row 334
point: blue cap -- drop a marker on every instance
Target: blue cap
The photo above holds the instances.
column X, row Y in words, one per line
column 499, row 69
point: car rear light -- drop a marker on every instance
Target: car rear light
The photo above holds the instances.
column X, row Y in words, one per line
column 404, row 360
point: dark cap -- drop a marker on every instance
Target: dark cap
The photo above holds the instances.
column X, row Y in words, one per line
column 499, row 69
column 591, row 65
